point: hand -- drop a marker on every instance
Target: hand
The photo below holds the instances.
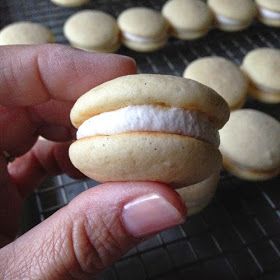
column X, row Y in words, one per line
column 38, row 86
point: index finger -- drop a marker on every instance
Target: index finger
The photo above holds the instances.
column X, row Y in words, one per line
column 32, row 75
column 40, row 83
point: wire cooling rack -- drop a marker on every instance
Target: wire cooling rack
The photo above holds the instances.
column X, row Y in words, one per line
column 238, row 235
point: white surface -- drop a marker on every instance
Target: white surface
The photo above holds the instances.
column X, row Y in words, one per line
column 150, row 118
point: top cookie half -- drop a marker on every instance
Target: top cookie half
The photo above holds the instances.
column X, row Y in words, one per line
column 149, row 89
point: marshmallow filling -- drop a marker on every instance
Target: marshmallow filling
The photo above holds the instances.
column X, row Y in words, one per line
column 263, row 89
column 268, row 14
column 238, row 168
column 147, row 118
column 143, row 40
column 228, row 21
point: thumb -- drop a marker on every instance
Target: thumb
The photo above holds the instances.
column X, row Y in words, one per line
column 93, row 231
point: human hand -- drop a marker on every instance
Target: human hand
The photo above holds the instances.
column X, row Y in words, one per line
column 38, row 86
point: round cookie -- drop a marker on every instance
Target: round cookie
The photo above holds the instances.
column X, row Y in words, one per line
column 25, row 33
column 233, row 15
column 250, row 145
column 262, row 66
column 269, row 12
column 148, row 128
column 221, row 75
column 189, row 19
column 143, row 29
column 198, row 196
column 93, row 30
column 70, row 3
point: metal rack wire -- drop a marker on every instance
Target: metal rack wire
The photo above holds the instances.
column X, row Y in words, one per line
column 238, row 235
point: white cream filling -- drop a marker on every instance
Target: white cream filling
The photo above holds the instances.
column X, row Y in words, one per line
column 142, row 40
column 147, row 118
column 266, row 13
column 227, row 20
column 265, row 89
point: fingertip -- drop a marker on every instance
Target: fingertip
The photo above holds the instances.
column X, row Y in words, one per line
column 116, row 66
column 136, row 189
column 130, row 64
column 146, row 207
column 172, row 196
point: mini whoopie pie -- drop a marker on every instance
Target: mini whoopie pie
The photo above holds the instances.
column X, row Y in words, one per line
column 189, row 19
column 26, row 33
column 143, row 29
column 262, row 67
column 70, row 3
column 148, row 128
column 250, row 144
column 269, row 12
column 233, row 15
column 223, row 76
column 92, row 30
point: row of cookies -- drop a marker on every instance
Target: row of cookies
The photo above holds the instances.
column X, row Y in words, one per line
column 142, row 29
column 250, row 140
column 258, row 76
column 230, row 15
column 145, row 30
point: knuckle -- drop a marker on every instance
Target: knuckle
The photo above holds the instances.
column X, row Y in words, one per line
column 52, row 259
column 94, row 243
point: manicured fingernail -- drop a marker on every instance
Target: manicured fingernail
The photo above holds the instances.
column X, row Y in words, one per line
column 150, row 214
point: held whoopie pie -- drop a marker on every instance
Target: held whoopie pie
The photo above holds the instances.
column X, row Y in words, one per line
column 148, row 128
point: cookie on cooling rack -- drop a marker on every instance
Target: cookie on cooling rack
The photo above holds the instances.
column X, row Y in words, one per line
column 70, row 3
column 189, row 19
column 143, row 29
column 250, row 145
column 25, row 33
column 233, row 15
column 262, row 66
column 92, row 30
column 269, row 12
column 223, row 76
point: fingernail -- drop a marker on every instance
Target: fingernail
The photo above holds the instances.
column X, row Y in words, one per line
column 150, row 214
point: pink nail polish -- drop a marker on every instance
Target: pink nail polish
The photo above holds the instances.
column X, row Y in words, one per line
column 150, row 214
